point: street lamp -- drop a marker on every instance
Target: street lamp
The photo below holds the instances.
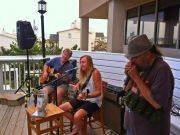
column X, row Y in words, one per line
column 42, row 10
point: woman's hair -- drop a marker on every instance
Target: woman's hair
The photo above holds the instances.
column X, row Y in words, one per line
column 90, row 67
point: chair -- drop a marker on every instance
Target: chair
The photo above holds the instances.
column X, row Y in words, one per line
column 96, row 116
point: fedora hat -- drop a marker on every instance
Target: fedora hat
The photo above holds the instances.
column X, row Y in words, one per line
column 138, row 45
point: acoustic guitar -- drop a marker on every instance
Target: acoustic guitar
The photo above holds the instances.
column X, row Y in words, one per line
column 52, row 75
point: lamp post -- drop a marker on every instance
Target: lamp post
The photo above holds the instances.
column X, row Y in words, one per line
column 42, row 10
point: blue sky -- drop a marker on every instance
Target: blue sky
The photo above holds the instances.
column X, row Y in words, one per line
column 59, row 16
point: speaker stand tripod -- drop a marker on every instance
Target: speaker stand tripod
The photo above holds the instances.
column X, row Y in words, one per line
column 27, row 79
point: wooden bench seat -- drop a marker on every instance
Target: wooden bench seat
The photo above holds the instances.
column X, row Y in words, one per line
column 111, row 66
column 11, row 99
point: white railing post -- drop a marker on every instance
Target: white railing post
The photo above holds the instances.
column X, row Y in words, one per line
column 1, row 78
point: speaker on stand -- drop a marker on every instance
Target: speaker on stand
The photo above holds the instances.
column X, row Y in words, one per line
column 25, row 35
column 26, row 39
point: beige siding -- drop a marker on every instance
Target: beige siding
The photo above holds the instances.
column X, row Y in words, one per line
column 87, row 6
column 66, row 42
column 5, row 40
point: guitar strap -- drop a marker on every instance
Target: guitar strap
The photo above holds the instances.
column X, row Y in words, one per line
column 62, row 67
column 84, row 85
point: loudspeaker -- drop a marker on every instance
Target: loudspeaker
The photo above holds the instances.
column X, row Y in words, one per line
column 113, row 115
column 25, row 35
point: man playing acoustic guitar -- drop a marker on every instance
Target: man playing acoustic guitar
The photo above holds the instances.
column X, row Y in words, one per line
column 56, row 67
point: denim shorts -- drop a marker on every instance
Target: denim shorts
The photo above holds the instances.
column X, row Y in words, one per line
column 129, row 133
column 86, row 105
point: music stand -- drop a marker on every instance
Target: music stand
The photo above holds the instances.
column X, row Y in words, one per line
column 55, row 80
column 52, row 82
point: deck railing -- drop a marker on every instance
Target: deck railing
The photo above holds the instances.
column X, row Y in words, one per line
column 13, row 69
column 13, row 72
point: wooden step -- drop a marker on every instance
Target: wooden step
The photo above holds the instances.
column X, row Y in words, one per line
column 11, row 99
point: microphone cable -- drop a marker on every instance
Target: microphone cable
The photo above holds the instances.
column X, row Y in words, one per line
column 175, row 110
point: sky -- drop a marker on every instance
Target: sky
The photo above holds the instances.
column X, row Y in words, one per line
column 59, row 16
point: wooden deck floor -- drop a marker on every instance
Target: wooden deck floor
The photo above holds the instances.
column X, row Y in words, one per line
column 13, row 122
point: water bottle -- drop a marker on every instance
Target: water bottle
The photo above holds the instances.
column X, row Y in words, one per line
column 42, row 101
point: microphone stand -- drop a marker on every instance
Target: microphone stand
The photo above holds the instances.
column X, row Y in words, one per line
column 52, row 82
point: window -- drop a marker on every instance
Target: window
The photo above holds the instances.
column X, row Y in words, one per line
column 165, row 26
column 147, row 21
column 132, row 23
column 168, row 20
column 69, row 35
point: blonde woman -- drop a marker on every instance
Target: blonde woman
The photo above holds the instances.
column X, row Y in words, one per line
column 89, row 97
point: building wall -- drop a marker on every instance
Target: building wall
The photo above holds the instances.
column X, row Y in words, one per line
column 86, row 6
column 92, row 38
column 89, row 9
column 66, row 41
column 133, row 3
column 6, row 40
column 163, row 32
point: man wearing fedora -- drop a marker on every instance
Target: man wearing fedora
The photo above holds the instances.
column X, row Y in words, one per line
column 149, row 89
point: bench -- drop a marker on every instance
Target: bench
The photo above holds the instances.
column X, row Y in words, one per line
column 175, row 67
column 111, row 66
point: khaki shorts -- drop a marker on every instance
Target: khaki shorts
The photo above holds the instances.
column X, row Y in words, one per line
column 63, row 86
